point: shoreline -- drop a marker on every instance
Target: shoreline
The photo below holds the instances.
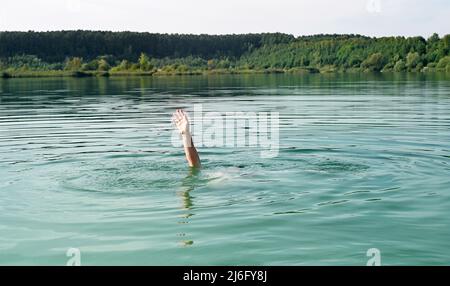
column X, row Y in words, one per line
column 300, row 71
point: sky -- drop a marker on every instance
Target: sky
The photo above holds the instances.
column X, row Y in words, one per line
column 297, row 17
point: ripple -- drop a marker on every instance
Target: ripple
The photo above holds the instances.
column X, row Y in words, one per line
column 332, row 166
column 124, row 177
column 89, row 163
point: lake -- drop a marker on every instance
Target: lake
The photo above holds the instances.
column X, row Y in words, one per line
column 363, row 162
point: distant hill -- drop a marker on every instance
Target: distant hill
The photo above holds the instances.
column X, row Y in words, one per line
column 183, row 53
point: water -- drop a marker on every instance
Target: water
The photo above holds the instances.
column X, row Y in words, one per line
column 363, row 163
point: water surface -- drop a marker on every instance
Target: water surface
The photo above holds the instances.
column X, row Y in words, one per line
column 363, row 163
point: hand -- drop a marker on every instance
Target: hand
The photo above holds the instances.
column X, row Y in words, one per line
column 181, row 121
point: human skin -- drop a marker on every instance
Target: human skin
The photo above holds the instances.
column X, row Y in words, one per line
column 181, row 121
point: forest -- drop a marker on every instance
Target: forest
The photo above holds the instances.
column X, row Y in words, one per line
column 88, row 53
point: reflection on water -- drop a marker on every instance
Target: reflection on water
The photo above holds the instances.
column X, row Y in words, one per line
column 363, row 163
column 188, row 185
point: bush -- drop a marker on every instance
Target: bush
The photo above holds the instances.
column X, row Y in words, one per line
column 103, row 65
column 375, row 62
column 444, row 63
column 399, row 66
column 123, row 66
column 90, row 66
column 388, row 67
column 144, row 62
column 73, row 64
column 413, row 60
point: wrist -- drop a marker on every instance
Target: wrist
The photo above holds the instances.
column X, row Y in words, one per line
column 187, row 139
column 185, row 134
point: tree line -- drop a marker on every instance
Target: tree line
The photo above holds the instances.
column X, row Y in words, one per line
column 126, row 52
column 56, row 46
column 355, row 52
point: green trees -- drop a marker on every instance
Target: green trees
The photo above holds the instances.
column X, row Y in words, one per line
column 399, row 66
column 103, row 65
column 375, row 62
column 26, row 62
column 99, row 52
column 144, row 62
column 444, row 64
column 90, row 66
column 413, row 61
column 56, row 46
column 351, row 52
column 123, row 66
column 73, row 64
column 76, row 64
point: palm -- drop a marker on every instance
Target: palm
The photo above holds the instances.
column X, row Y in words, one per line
column 181, row 121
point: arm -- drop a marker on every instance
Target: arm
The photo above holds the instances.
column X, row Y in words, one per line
column 182, row 123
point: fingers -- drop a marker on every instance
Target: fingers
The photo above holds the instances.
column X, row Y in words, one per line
column 179, row 115
column 176, row 116
column 184, row 115
column 174, row 119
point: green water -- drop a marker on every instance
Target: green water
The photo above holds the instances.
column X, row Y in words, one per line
column 363, row 163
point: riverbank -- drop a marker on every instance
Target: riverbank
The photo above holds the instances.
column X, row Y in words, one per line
column 80, row 74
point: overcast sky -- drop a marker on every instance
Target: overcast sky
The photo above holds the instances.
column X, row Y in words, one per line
column 298, row 17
